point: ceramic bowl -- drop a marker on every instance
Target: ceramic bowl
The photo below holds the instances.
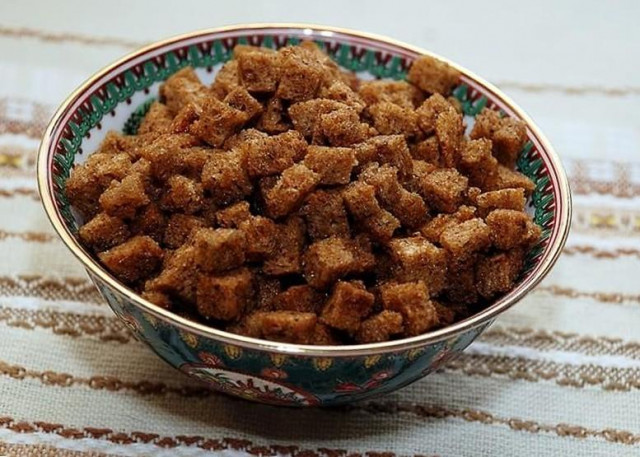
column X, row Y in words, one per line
column 285, row 374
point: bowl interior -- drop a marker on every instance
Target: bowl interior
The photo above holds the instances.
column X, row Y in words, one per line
column 117, row 98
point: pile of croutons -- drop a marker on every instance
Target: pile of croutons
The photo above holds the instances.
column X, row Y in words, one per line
column 291, row 201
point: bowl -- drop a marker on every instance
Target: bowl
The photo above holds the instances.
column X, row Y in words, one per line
column 266, row 371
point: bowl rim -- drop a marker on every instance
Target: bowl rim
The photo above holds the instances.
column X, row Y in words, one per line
column 486, row 316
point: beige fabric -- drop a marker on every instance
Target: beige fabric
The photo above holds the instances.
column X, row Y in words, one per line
column 559, row 374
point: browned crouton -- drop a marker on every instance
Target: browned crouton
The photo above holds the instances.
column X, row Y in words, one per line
column 341, row 92
column 288, row 193
column 429, row 111
column 273, row 119
column 241, row 100
column 497, row 274
column 133, row 260
column 341, row 128
column 412, row 301
column 271, row 155
column 407, row 206
column 347, row 306
column 181, row 88
column 507, row 135
column 391, row 149
column 219, row 249
column 334, row 165
column 416, row 259
column 360, row 200
column 225, row 178
column 449, row 131
column 262, row 236
column 380, row 327
column 227, row 79
column 287, row 257
column 157, row 120
column 301, row 74
column 391, row 119
column 306, row 115
column 443, row 189
column 284, row 326
column 302, row 298
column 224, row 297
column 325, row 215
column 123, row 199
column 327, row 260
column 463, row 240
column 399, row 93
column 217, row 122
column 183, row 195
column 179, row 228
column 477, row 162
column 259, row 70
column 104, row 232
column 432, row 75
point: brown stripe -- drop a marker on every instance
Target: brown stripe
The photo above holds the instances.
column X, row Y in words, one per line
column 484, row 417
column 544, row 340
column 28, row 236
column 601, row 253
column 69, row 324
column 517, row 368
column 43, row 450
column 20, row 192
column 110, row 383
column 570, row 90
column 604, row 297
column 171, row 442
column 49, row 288
column 55, row 37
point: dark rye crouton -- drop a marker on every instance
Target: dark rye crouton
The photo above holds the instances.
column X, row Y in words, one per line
column 273, row 119
column 303, row 298
column 181, row 88
column 360, row 200
column 183, row 195
column 500, row 199
column 509, row 228
column 443, row 189
column 477, row 163
column 261, row 234
column 391, row 119
column 380, row 327
column 510, row 179
column 415, row 259
column 88, row 180
column 179, row 228
column 179, row 276
column 135, row 259
column 334, row 165
column 497, row 274
column 325, row 215
column 433, row 75
column 220, row 249
column 117, row 143
column 242, row 100
column 289, row 191
column 104, row 232
column 412, row 301
column 224, row 297
column 399, row 93
column 432, row 230
column 461, row 282
column 227, row 79
column 123, row 199
column 507, row 135
column 266, row 289
column 341, row 92
column 449, row 131
column 259, row 69
column 306, row 115
column 284, row 326
column 327, row 260
column 386, row 149
column 232, row 216
column 225, row 178
column 407, row 206
column 287, row 257
column 348, row 304
column 429, row 111
column 157, row 120
column 217, row 122
column 427, row 150
column 167, row 155
column 341, row 128
column 464, row 240
column 301, row 74
column 151, row 222
column 270, row 155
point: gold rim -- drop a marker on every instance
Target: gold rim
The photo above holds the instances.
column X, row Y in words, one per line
column 563, row 218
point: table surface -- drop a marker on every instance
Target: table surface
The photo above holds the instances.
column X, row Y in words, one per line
column 559, row 374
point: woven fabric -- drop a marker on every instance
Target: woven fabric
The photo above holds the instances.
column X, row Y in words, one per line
column 558, row 374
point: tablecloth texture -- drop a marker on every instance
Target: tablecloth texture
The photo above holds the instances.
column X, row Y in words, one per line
column 559, row 374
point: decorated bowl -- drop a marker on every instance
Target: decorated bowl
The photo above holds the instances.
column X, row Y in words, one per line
column 118, row 96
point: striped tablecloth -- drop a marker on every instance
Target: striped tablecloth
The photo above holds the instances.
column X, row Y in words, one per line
column 559, row 374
